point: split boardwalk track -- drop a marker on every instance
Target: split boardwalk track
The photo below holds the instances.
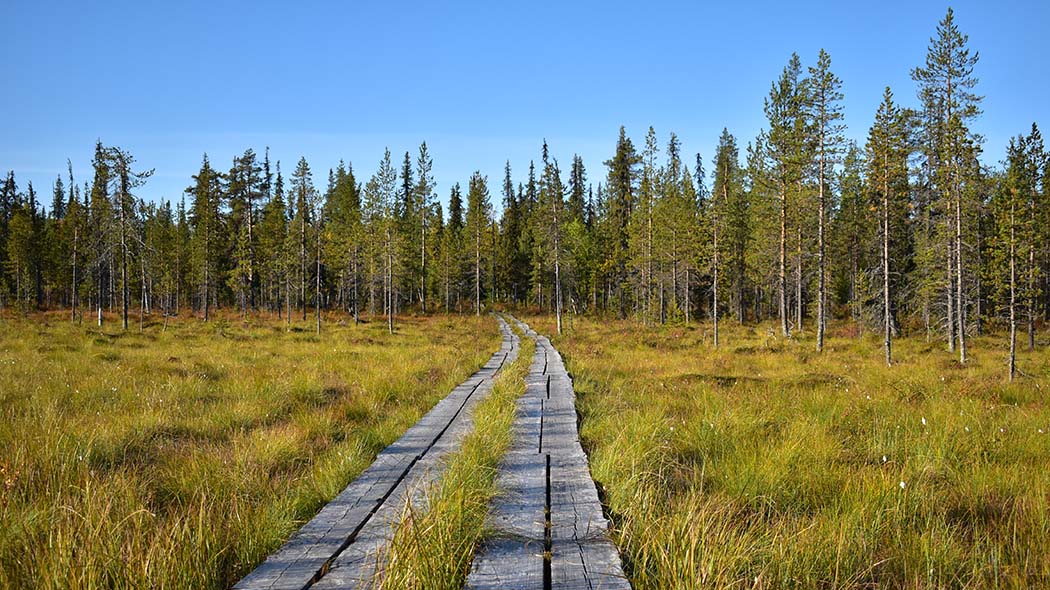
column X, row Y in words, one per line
column 546, row 526
column 547, row 529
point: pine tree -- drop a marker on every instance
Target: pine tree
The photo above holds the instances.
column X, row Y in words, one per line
column 946, row 84
column 826, row 114
column 785, row 146
column 381, row 217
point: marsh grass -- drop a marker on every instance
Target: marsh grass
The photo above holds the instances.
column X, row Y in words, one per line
column 434, row 545
column 180, row 456
column 766, row 465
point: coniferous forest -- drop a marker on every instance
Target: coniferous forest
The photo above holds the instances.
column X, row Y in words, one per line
column 907, row 233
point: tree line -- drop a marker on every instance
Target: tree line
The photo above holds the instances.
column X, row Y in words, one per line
column 908, row 232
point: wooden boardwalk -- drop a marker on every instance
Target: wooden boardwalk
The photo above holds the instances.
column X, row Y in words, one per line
column 547, row 526
column 341, row 547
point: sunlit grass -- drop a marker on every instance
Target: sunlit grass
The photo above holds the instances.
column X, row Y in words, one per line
column 434, row 545
column 764, row 464
column 179, row 457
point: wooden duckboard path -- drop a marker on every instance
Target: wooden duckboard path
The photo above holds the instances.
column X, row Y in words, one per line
column 342, row 546
column 547, row 529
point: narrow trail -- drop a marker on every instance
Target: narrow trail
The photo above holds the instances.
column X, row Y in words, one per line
column 547, row 529
column 341, row 546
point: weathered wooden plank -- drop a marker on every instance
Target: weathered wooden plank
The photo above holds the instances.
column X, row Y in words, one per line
column 590, row 565
column 507, row 564
column 575, row 510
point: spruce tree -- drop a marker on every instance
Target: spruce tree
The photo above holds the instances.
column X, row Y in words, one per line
column 888, row 150
column 621, row 189
column 206, row 225
column 303, row 196
column 478, row 218
column 424, row 191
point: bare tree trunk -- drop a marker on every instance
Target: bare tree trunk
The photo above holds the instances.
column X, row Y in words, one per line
column 317, row 281
column 1013, row 298
column 390, row 282
column 251, row 251
column 477, row 271
column 123, row 249
column 887, row 315
column 302, row 262
column 73, row 299
column 207, row 289
column 649, row 262
column 557, row 260
column 951, row 296
column 688, row 278
column 959, row 301
column 782, row 274
column 357, row 274
column 1031, row 289
column 714, row 290
column 798, row 277
column 423, row 258
column 821, row 288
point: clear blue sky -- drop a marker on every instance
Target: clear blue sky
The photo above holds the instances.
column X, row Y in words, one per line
column 480, row 82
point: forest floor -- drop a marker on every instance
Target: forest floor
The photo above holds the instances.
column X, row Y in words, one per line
column 764, row 464
column 182, row 454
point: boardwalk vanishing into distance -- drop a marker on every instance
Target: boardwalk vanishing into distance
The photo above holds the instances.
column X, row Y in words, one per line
column 546, row 527
column 341, row 546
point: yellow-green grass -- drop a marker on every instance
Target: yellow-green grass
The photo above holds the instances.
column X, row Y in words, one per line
column 433, row 546
column 765, row 464
column 179, row 457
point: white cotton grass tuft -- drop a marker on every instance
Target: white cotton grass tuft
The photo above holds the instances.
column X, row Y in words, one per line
column 924, row 420
column 903, row 485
